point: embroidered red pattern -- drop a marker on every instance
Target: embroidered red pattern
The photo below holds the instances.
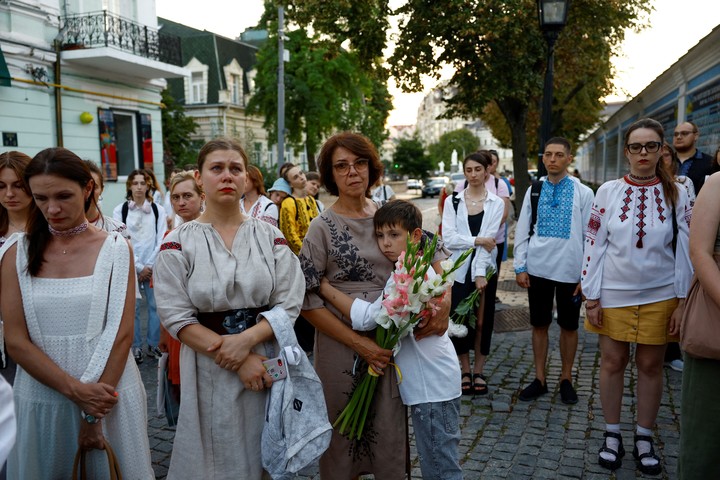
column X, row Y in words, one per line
column 280, row 241
column 170, row 246
column 641, row 217
column 660, row 208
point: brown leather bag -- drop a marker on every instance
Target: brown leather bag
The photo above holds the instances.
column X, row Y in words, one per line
column 700, row 328
column 79, row 464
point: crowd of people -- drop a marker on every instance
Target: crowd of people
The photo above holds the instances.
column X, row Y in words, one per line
column 218, row 261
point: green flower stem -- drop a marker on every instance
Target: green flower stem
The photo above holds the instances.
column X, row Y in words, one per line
column 364, row 411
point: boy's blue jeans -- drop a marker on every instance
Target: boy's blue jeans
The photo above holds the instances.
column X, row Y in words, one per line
column 153, row 324
column 437, row 437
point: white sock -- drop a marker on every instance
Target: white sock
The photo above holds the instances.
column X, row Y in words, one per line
column 611, row 442
column 644, row 446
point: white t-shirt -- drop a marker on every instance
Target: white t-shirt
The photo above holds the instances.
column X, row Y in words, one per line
column 429, row 367
column 383, row 194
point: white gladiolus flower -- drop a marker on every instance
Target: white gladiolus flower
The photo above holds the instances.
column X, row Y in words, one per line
column 447, row 265
column 457, row 330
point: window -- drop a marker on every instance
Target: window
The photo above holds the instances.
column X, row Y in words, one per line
column 120, row 136
column 236, row 89
column 197, row 88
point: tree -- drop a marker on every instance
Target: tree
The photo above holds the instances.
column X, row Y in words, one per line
column 461, row 140
column 498, row 53
column 327, row 87
column 177, row 129
column 410, row 158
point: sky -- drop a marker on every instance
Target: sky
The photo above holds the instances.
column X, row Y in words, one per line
column 675, row 27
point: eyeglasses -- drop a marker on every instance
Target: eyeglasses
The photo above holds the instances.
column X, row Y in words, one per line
column 343, row 168
column 684, row 133
column 650, row 147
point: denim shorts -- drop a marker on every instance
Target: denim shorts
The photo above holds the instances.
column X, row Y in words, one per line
column 437, row 437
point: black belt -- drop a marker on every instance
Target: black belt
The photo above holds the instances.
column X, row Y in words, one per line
column 230, row 322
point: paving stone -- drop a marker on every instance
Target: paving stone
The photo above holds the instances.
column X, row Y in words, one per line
column 502, row 437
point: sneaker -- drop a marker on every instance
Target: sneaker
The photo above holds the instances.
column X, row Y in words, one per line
column 137, row 353
column 567, row 393
column 676, row 365
column 532, row 391
column 154, row 351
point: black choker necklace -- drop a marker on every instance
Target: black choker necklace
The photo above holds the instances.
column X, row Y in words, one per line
column 635, row 177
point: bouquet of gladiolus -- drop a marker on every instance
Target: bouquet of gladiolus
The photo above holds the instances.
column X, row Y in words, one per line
column 466, row 310
column 409, row 298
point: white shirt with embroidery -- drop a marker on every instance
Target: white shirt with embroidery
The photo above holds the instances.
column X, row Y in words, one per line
column 628, row 258
column 555, row 250
column 263, row 209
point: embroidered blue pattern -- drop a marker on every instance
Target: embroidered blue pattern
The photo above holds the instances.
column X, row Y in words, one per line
column 555, row 209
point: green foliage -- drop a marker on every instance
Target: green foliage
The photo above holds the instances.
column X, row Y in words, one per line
column 269, row 175
column 179, row 149
column 410, row 158
column 499, row 56
column 461, row 140
column 327, row 87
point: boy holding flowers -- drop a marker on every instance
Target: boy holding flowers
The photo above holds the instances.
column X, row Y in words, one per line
column 430, row 372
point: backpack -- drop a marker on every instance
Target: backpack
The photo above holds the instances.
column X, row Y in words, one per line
column 296, row 430
column 126, row 207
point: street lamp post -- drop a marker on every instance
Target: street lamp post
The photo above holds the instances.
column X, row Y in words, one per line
column 552, row 15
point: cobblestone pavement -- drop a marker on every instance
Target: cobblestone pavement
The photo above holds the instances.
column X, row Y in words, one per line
column 503, row 437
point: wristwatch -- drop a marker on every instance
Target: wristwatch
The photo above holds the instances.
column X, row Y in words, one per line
column 89, row 418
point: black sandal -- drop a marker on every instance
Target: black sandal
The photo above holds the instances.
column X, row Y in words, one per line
column 479, row 389
column 646, row 469
column 466, row 387
column 619, row 454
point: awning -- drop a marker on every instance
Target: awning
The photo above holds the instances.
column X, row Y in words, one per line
column 4, row 71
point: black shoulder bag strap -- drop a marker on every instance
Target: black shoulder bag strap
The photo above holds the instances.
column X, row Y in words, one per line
column 535, row 190
column 125, row 208
column 675, row 230
column 455, row 201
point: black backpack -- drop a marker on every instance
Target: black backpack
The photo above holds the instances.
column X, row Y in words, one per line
column 126, row 207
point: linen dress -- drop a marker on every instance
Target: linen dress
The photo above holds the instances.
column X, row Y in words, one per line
column 220, row 423
column 75, row 322
column 345, row 251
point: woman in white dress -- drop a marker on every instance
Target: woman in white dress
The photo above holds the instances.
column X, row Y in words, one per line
column 217, row 280
column 68, row 303
column 15, row 207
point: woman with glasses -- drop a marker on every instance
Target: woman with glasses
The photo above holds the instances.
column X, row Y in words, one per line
column 341, row 246
column 635, row 276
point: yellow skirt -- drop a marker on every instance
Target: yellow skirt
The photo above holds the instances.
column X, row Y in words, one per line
column 643, row 324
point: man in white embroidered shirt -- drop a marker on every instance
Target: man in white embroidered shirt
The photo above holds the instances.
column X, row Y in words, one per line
column 548, row 252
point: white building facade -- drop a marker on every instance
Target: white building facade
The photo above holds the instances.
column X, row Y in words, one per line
column 86, row 75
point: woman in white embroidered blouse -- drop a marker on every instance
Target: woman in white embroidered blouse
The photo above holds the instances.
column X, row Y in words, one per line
column 635, row 276
column 255, row 202
column 68, row 302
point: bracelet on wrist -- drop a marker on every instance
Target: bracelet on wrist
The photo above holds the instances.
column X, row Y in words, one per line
column 592, row 307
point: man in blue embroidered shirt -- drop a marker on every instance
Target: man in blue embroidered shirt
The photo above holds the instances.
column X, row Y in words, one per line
column 549, row 239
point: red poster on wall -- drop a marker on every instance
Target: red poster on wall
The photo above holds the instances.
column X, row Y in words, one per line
column 108, row 144
column 145, row 133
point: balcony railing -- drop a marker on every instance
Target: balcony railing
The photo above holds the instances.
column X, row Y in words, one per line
column 103, row 29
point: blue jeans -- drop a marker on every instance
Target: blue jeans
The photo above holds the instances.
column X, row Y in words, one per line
column 437, row 437
column 153, row 328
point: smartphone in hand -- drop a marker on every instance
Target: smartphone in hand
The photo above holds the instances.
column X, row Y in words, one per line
column 276, row 368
